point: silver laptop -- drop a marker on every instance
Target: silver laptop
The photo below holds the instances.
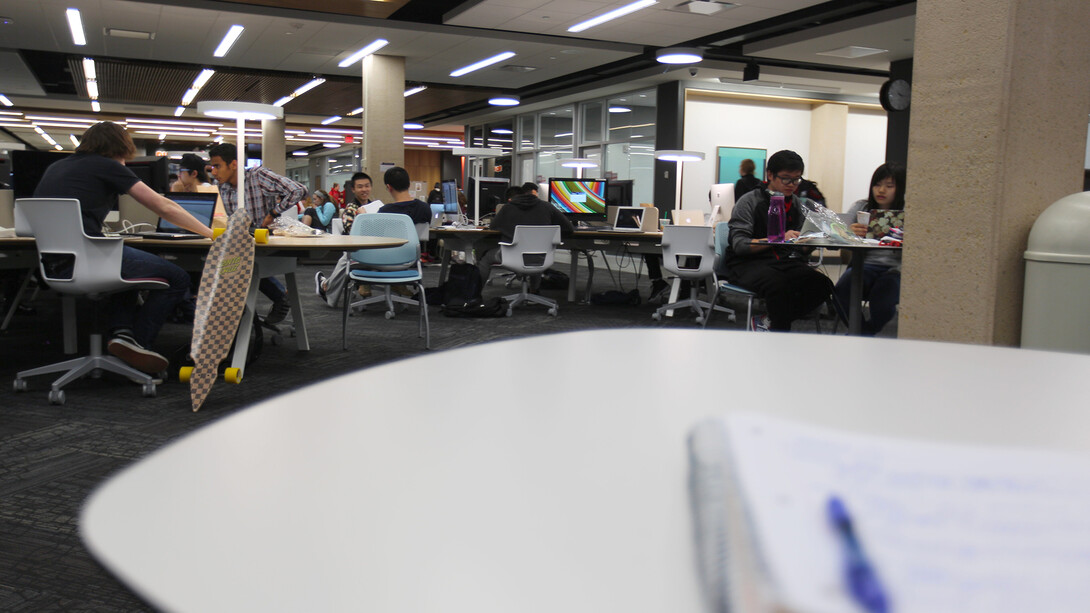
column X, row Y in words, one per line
column 200, row 205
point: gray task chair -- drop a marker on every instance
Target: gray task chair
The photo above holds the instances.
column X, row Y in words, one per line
column 722, row 239
column 57, row 226
column 529, row 253
column 689, row 253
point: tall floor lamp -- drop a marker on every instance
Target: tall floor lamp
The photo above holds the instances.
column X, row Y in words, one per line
column 680, row 157
column 240, row 112
column 578, row 164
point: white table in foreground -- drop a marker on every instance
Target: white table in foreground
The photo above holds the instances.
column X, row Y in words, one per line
column 555, row 482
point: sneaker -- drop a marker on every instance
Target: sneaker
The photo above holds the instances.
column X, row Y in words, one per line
column 125, row 348
column 660, row 291
column 364, row 291
column 319, row 284
column 760, row 323
column 278, row 312
column 405, row 291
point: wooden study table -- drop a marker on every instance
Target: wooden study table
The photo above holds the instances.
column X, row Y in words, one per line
column 511, row 499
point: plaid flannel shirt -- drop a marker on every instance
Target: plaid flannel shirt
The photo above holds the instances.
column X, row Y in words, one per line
column 267, row 193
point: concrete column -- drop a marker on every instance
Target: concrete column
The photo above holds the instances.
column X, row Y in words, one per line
column 997, row 133
column 383, row 117
column 828, row 139
column 273, row 154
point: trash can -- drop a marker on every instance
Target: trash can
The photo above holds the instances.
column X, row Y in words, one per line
column 1056, row 303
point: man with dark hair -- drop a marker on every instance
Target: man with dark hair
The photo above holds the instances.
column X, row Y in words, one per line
column 747, row 182
column 522, row 209
column 96, row 175
column 361, row 195
column 329, row 288
column 530, row 188
column 397, row 183
column 781, row 276
column 267, row 195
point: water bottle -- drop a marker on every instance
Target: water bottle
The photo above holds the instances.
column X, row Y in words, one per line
column 776, row 218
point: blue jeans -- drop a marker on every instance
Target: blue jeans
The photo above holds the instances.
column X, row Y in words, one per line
column 272, row 289
column 881, row 287
column 145, row 320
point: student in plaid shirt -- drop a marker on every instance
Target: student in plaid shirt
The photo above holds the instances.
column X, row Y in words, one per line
column 267, row 195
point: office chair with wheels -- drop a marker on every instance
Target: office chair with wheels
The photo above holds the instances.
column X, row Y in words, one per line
column 688, row 252
column 530, row 253
column 57, row 226
column 722, row 239
column 387, row 267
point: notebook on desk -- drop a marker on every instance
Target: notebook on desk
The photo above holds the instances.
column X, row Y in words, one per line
column 200, row 205
column 881, row 220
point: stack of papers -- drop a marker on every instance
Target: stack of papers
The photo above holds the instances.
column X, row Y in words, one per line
column 946, row 527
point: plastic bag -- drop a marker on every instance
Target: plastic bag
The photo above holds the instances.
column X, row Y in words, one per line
column 285, row 226
column 822, row 223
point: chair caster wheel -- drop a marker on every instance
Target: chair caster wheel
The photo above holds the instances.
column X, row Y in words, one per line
column 699, row 320
column 656, row 316
column 56, row 397
column 184, row 373
column 508, row 312
column 149, row 390
column 233, row 375
column 19, row 385
column 389, row 314
column 552, row 312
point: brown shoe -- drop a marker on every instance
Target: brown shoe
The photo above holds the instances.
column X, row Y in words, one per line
column 130, row 352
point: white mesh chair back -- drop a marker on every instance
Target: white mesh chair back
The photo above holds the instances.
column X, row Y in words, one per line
column 391, row 225
column 531, row 250
column 688, row 251
column 423, row 231
column 57, row 226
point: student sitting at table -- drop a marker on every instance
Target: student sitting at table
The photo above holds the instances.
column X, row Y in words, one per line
column 882, row 270
column 320, row 211
column 522, row 209
column 781, row 276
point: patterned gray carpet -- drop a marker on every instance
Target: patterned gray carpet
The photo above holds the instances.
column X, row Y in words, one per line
column 51, row 457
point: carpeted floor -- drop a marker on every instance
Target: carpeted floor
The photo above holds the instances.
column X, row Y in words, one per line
column 51, row 457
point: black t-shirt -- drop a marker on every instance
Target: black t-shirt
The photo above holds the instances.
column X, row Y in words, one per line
column 418, row 210
column 94, row 180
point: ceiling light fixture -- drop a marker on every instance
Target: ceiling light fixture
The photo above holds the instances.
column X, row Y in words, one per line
column 329, row 120
column 300, row 153
column 483, row 63
column 4, row 100
column 355, row 112
column 228, row 40
column 75, row 141
column 611, row 15
column 304, row 88
column 92, row 89
column 679, row 55
column 75, row 25
column 677, row 155
column 133, row 34
column 415, row 90
column 362, row 53
column 178, row 111
column 619, row 109
column 412, row 126
column 504, row 100
column 502, row 131
column 89, row 69
column 95, row 106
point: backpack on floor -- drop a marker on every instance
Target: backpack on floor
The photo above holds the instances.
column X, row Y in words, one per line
column 463, row 285
column 492, row 307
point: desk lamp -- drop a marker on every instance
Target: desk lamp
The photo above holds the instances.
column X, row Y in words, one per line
column 680, row 157
column 240, row 112
column 579, row 164
column 476, row 155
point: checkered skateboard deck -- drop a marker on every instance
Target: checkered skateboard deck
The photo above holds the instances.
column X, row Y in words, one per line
column 220, row 300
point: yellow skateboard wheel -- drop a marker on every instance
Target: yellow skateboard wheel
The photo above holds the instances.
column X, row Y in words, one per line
column 184, row 373
column 217, row 231
column 233, row 375
column 261, row 236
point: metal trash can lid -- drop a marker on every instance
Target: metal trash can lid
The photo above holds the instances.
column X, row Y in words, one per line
column 1062, row 232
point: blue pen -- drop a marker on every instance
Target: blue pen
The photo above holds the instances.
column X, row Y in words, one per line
column 860, row 578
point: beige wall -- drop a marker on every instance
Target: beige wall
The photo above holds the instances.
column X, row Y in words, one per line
column 828, row 144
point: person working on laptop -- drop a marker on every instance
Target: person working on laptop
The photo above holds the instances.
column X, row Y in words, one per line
column 96, row 175
column 522, row 209
column 882, row 270
column 790, row 288
column 191, row 175
column 329, row 288
column 267, row 195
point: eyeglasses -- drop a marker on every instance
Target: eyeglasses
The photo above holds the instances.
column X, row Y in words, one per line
column 788, row 180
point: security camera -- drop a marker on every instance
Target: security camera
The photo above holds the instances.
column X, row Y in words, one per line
column 692, row 72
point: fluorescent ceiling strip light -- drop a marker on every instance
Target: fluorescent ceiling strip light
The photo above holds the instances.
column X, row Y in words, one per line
column 61, row 118
column 11, row 113
column 333, row 119
column 355, row 112
column 483, row 63
column 300, row 153
column 172, row 133
column 228, row 40
column 415, row 90
column 362, row 53
column 203, row 78
column 171, row 122
column 178, row 111
column 75, row 141
column 89, row 69
column 162, row 135
column 338, row 131
column 92, row 89
column 75, row 24
column 95, row 106
column 412, row 126
column 306, row 87
column 64, row 124
column 283, row 101
column 189, row 95
column 611, row 15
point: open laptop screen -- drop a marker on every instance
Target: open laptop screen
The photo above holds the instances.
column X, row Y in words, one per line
column 200, row 205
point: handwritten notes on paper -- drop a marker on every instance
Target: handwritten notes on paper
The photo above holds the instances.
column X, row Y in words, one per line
column 949, row 527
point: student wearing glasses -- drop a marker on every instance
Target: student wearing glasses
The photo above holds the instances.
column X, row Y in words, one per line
column 782, row 277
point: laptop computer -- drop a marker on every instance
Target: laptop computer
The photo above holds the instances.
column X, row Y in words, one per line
column 200, row 205
column 688, row 217
column 881, row 220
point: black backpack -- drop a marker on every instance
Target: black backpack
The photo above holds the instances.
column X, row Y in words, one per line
column 463, row 285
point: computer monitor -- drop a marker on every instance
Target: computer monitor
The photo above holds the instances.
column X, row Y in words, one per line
column 619, row 193
column 722, row 196
column 154, row 171
column 484, row 195
column 579, row 199
column 449, row 191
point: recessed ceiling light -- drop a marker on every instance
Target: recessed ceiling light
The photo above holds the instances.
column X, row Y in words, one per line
column 502, row 131
column 75, row 25
column 679, row 55
column 415, row 90
column 228, row 40
column 412, row 126
column 611, row 15
column 853, row 51
column 134, row 34
column 299, row 153
column 504, row 100
column 619, row 109
column 483, row 63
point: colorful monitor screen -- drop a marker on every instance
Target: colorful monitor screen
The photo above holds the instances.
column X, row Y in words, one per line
column 578, row 196
column 450, row 196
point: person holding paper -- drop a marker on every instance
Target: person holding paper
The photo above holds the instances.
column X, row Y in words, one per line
column 329, row 288
column 782, row 277
column 882, row 270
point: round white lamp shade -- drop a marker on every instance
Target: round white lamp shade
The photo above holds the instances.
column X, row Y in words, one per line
column 578, row 163
column 251, row 111
column 679, row 55
column 677, row 155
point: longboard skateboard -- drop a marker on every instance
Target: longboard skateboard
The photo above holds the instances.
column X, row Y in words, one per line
column 220, row 300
